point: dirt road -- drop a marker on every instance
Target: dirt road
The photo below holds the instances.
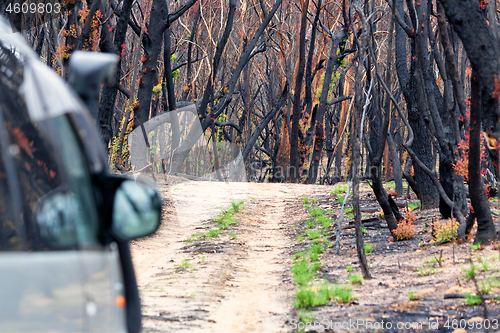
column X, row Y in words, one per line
column 239, row 281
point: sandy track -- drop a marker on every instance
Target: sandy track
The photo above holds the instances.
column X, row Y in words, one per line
column 240, row 281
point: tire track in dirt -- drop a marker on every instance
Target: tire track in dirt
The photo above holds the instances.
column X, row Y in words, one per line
column 230, row 284
column 263, row 301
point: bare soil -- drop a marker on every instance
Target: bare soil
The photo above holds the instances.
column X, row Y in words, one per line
column 241, row 281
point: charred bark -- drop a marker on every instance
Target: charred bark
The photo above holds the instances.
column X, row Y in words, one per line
column 109, row 92
column 294, row 136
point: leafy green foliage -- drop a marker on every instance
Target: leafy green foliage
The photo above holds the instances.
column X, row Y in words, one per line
column 445, row 231
column 413, row 205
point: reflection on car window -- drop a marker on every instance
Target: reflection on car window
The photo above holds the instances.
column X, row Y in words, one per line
column 58, row 211
column 9, row 233
column 37, row 169
column 80, row 184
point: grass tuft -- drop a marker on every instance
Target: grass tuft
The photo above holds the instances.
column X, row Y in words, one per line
column 368, row 248
column 472, row 299
column 445, row 231
column 314, row 296
column 237, row 205
column 316, row 211
column 337, row 189
column 355, row 278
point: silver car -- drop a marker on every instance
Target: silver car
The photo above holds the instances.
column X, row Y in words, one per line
column 65, row 264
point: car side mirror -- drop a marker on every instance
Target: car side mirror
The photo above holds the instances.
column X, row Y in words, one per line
column 87, row 71
column 136, row 211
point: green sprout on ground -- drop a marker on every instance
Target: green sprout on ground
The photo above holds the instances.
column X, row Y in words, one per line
column 476, row 246
column 490, row 283
column 320, row 295
column 411, row 295
column 484, row 263
column 237, row 205
column 368, row 248
column 485, row 288
column 185, row 264
column 313, row 234
column 324, row 221
column 303, row 271
column 224, row 220
column 413, row 205
column 349, row 268
column 314, row 251
column 391, row 184
column 316, row 211
column 310, row 223
column 307, row 263
column 337, row 189
column 214, row 233
column 305, row 317
column 355, row 278
column 470, row 273
column 472, row 299
column 426, row 270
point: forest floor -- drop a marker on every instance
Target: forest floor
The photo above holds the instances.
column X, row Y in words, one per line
column 241, row 280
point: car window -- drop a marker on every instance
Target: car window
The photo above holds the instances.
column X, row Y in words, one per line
column 9, row 225
column 79, row 182
column 56, row 207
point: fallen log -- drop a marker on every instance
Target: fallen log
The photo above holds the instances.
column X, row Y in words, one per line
column 450, row 296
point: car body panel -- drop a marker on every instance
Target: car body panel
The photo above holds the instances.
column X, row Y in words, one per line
column 42, row 293
column 103, row 287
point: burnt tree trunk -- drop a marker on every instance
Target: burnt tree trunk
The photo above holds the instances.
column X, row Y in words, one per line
column 356, row 146
column 151, row 42
column 109, row 92
column 467, row 19
column 428, row 194
column 294, row 136
column 323, row 105
column 485, row 228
